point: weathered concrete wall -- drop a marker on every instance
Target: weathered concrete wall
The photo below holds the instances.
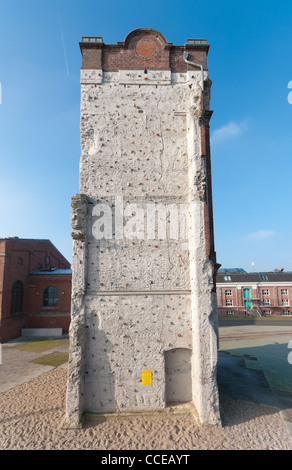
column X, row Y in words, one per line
column 146, row 287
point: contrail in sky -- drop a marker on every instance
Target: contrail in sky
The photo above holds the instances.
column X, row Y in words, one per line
column 62, row 37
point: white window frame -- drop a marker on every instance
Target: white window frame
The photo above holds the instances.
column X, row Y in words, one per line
column 229, row 312
column 228, row 302
column 266, row 301
column 284, row 291
column 267, row 312
column 265, row 292
column 286, row 312
column 285, row 302
column 228, row 292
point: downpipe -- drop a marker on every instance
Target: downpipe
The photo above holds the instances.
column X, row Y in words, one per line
column 186, row 54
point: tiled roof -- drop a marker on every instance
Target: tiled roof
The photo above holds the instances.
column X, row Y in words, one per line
column 255, row 277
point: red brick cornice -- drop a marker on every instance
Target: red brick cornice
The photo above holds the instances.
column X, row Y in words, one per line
column 142, row 48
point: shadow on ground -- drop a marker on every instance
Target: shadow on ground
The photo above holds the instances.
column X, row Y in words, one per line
column 237, row 382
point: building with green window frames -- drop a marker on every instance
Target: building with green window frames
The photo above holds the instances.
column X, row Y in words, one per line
column 254, row 294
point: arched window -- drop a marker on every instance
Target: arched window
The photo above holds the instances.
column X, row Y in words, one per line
column 16, row 297
column 51, row 297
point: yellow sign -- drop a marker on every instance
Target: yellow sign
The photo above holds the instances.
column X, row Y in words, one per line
column 146, row 377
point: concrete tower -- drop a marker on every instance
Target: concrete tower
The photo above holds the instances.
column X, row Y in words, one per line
column 143, row 332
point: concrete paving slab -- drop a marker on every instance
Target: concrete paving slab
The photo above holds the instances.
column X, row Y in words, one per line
column 253, row 366
column 17, row 368
column 237, row 382
column 268, row 345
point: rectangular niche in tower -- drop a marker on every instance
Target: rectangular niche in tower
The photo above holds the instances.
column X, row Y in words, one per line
column 144, row 265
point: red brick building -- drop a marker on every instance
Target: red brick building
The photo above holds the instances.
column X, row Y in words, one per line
column 256, row 294
column 35, row 287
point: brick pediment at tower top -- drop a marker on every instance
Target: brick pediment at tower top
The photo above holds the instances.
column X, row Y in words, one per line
column 143, row 48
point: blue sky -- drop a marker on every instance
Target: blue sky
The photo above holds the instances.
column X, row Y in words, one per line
column 250, row 66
